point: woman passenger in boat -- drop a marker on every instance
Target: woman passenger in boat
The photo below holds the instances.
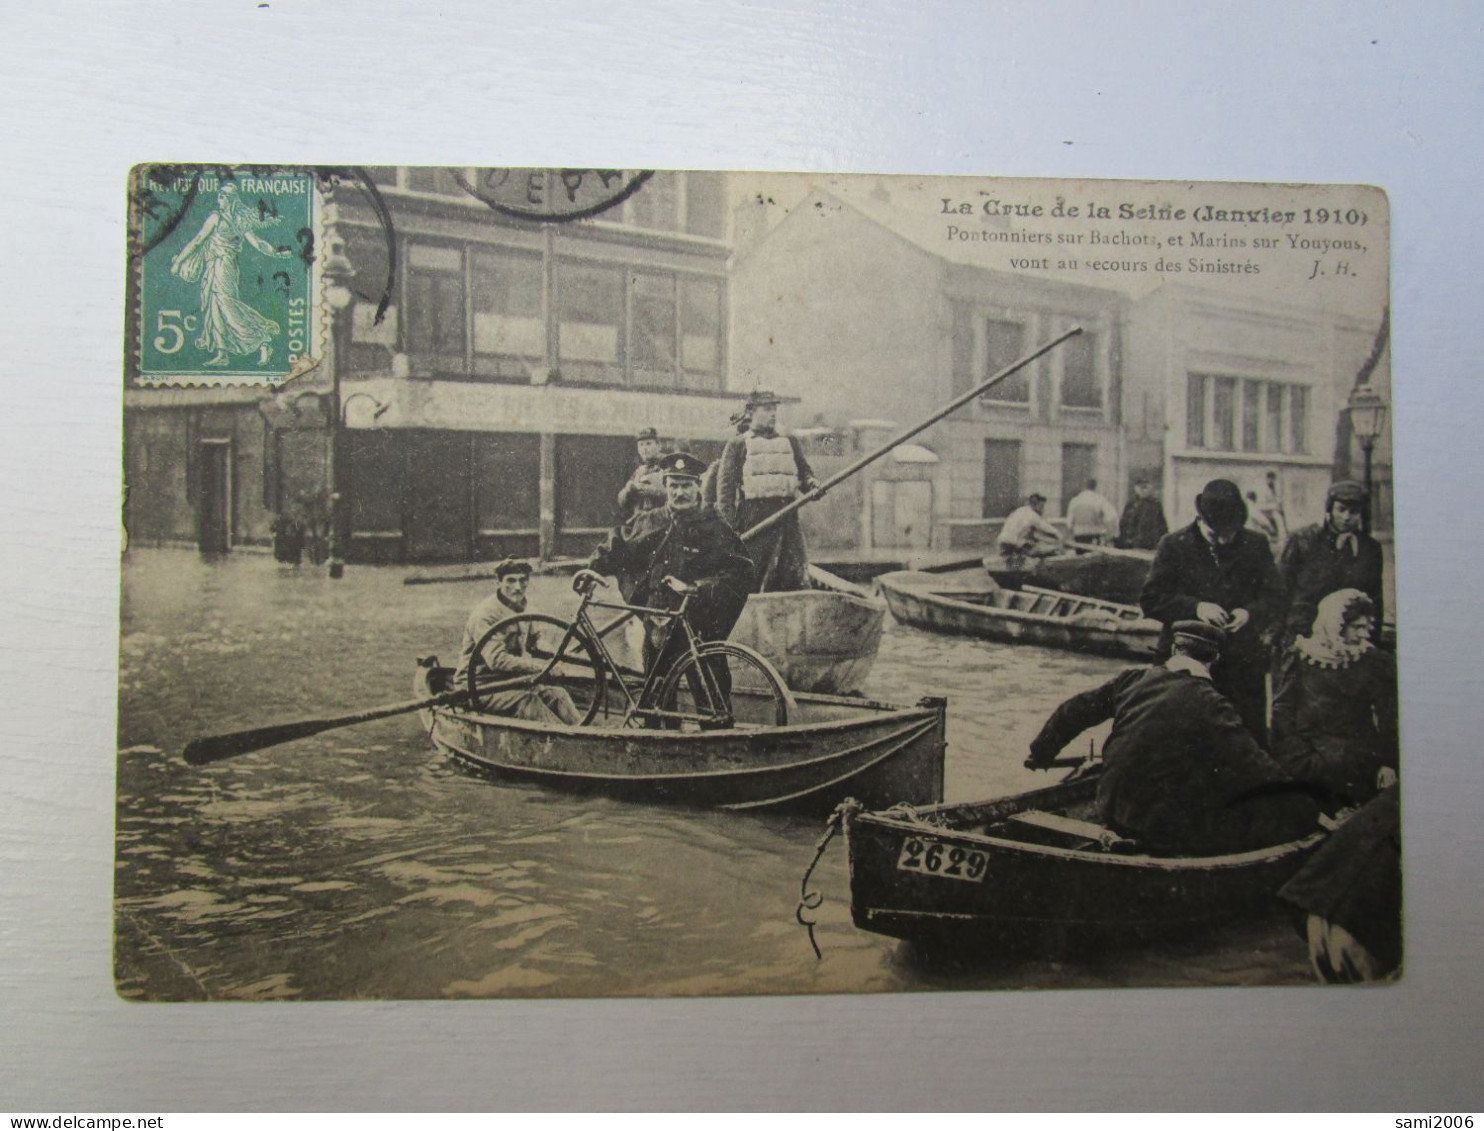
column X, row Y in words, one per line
column 1182, row 773
column 1334, row 712
column 508, row 655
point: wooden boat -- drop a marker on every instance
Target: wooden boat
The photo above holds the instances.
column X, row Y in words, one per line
column 838, row 746
column 1107, row 573
column 1035, row 869
column 973, row 604
column 822, row 639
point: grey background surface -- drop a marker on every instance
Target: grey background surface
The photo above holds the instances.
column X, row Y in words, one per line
column 1364, row 92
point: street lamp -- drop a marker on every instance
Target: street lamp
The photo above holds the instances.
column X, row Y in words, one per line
column 338, row 272
column 1367, row 418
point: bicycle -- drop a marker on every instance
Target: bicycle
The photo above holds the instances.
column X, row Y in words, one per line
column 698, row 689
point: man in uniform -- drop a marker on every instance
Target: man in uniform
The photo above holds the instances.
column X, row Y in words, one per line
column 1223, row 575
column 1027, row 535
column 1182, row 774
column 681, row 547
column 645, row 489
column 1143, row 523
column 1092, row 518
column 762, row 472
column 509, row 655
column 1333, row 554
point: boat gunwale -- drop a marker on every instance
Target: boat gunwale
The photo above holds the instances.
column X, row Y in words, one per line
column 1143, row 626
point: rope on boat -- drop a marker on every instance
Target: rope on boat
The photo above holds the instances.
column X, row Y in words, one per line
column 812, row 900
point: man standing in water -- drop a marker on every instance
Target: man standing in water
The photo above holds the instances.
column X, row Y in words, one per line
column 761, row 473
column 509, row 655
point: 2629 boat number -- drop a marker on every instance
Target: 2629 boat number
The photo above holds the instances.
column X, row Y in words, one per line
column 933, row 857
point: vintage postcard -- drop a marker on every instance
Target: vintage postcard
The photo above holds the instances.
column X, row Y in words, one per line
column 590, row 582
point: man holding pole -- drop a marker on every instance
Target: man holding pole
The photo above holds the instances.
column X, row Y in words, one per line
column 761, row 473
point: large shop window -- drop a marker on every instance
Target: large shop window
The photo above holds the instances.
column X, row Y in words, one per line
column 1001, row 477
column 435, row 306
column 590, row 472
column 509, row 330
column 700, row 333
column 1080, row 387
column 590, row 317
column 1230, row 414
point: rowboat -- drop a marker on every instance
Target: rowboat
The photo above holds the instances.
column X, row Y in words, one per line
column 831, row 746
column 973, row 604
column 1107, row 573
column 822, row 639
column 1037, row 869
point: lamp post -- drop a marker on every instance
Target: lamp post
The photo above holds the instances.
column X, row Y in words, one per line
column 338, row 273
column 1367, row 418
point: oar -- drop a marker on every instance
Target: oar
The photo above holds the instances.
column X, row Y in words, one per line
column 841, row 476
column 219, row 747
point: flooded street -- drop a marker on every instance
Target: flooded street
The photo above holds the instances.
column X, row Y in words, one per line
column 361, row 863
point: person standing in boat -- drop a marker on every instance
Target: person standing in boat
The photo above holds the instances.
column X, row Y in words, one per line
column 1026, row 534
column 1331, row 555
column 1220, row 573
column 741, row 421
column 1182, row 773
column 684, row 547
column 1143, row 523
column 645, row 489
column 1093, row 519
column 511, row 654
column 761, row 472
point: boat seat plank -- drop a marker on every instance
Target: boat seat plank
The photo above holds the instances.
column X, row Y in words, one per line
column 1073, row 828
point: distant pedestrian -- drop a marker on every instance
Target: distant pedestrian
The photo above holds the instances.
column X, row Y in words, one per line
column 288, row 539
column 1270, row 506
column 1093, row 519
column 1143, row 523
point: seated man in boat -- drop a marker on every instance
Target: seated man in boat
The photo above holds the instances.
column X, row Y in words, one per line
column 681, row 547
column 509, row 655
column 1027, row 535
column 1183, row 775
column 761, row 473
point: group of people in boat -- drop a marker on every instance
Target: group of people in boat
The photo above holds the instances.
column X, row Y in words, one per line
column 672, row 543
column 1202, row 760
column 1091, row 519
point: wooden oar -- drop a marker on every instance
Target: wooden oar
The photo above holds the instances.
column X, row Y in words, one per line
column 963, row 399
column 219, row 747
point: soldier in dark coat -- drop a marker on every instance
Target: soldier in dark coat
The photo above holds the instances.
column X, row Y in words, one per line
column 645, row 489
column 682, row 547
column 1143, row 523
column 1182, row 775
column 1217, row 572
column 762, row 472
column 1331, row 555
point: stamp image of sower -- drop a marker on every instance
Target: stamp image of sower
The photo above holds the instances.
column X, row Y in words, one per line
column 225, row 285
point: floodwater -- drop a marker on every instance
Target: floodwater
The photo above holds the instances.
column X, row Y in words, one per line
column 360, row 863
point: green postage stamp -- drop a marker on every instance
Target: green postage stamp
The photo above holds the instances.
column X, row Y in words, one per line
column 225, row 259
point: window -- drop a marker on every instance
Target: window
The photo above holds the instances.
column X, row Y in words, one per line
column 656, row 204
column 705, row 204
column 590, row 313
column 434, row 179
column 700, row 333
column 509, row 329
column 435, row 306
column 1001, row 477
column 1079, row 376
column 1004, row 345
column 653, row 349
column 1230, row 414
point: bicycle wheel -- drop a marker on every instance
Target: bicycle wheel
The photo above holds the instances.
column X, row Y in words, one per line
column 723, row 684
column 571, row 661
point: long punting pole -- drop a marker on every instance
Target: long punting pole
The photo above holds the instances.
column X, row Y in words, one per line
column 841, row 476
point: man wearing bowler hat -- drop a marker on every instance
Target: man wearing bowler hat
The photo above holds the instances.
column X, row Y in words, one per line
column 645, row 489
column 682, row 547
column 1217, row 572
column 510, row 655
column 761, row 473
column 1329, row 556
column 1182, row 773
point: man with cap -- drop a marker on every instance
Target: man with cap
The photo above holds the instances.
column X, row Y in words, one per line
column 681, row 547
column 1331, row 555
column 761, row 473
column 645, row 489
column 1217, row 572
column 1182, row 774
column 510, row 655
column 1027, row 535
column 1143, row 523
